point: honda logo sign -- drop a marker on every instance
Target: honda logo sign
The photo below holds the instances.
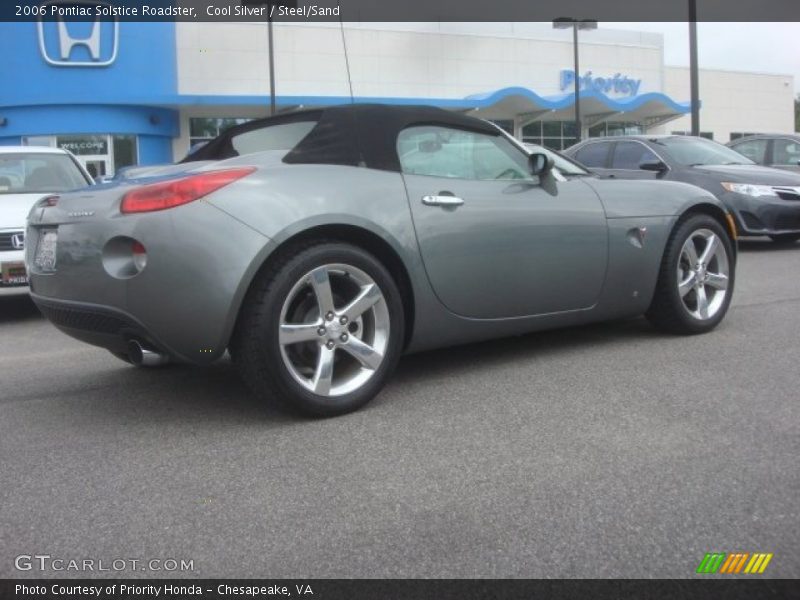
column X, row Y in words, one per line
column 18, row 241
column 65, row 43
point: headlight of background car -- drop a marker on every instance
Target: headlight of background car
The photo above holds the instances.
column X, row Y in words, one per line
column 750, row 189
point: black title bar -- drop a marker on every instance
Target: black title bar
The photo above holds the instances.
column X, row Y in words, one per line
column 402, row 589
column 741, row 11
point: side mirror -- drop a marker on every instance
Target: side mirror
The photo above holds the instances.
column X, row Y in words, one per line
column 653, row 165
column 540, row 164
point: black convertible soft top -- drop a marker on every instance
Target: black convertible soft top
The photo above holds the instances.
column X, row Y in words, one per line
column 349, row 134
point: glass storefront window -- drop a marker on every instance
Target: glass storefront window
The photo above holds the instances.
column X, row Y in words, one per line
column 551, row 129
column 735, row 135
column 556, row 135
column 560, row 135
column 126, row 153
column 39, row 140
column 709, row 135
column 597, row 130
column 532, row 130
column 84, row 145
column 203, row 129
column 612, row 128
column 506, row 125
column 102, row 155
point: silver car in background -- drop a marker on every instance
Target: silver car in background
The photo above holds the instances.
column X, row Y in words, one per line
column 27, row 173
column 780, row 151
column 318, row 246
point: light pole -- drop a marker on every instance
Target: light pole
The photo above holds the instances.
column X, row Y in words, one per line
column 694, row 79
column 270, row 49
column 576, row 24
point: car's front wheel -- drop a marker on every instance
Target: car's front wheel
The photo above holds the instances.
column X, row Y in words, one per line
column 321, row 329
column 695, row 283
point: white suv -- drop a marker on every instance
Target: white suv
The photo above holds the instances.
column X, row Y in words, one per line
column 28, row 173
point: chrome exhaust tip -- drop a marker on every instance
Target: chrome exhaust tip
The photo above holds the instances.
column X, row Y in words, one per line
column 144, row 357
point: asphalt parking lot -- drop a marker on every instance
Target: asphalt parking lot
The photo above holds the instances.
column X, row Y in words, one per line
column 602, row 451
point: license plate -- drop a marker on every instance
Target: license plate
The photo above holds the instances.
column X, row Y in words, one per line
column 14, row 273
column 45, row 257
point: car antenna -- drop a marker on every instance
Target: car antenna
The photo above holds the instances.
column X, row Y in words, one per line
column 346, row 58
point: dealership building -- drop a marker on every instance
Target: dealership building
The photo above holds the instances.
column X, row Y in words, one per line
column 118, row 94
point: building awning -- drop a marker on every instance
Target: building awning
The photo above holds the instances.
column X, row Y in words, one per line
column 518, row 103
column 649, row 109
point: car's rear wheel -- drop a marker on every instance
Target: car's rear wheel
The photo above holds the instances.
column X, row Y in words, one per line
column 321, row 329
column 695, row 283
column 785, row 238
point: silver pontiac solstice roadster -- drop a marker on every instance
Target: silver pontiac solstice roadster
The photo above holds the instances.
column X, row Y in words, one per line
column 320, row 245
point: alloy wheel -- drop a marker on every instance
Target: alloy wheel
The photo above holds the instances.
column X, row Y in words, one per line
column 703, row 274
column 334, row 329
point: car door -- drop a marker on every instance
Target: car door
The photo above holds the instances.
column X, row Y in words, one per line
column 495, row 241
column 786, row 154
column 626, row 158
column 756, row 150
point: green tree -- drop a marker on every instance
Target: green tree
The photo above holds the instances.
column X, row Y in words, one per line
column 797, row 113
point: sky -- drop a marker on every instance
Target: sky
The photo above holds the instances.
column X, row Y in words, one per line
column 761, row 47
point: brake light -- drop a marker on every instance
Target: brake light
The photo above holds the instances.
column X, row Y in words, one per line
column 168, row 194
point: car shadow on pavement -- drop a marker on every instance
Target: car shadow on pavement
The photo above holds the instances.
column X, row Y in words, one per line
column 18, row 308
column 176, row 393
column 215, row 393
column 767, row 245
column 492, row 353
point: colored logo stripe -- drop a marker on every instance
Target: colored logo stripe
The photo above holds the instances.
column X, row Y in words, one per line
column 758, row 563
column 734, row 562
column 711, row 562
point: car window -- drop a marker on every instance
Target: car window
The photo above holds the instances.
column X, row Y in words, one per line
column 593, row 155
column 27, row 173
column 629, row 155
column 755, row 150
column 445, row 152
column 694, row 151
column 284, row 136
column 786, row 152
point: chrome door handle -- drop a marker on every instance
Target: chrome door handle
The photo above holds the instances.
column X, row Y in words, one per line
column 442, row 200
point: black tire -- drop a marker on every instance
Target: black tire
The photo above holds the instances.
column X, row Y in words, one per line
column 255, row 346
column 667, row 310
column 785, row 238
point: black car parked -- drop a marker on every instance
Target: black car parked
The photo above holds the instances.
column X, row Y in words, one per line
column 779, row 151
column 764, row 201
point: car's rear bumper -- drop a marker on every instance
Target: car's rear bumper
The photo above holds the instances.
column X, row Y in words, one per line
column 103, row 326
column 764, row 216
column 183, row 303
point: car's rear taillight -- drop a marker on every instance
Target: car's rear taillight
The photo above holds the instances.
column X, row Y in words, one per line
column 168, row 194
